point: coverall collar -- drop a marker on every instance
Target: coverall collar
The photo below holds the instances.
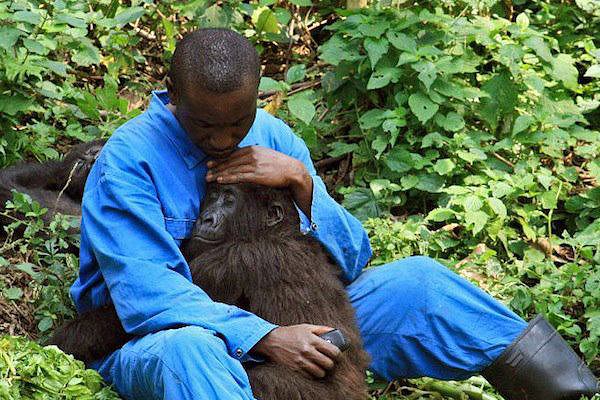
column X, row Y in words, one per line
column 158, row 111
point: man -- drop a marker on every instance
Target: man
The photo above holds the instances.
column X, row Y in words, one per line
column 143, row 196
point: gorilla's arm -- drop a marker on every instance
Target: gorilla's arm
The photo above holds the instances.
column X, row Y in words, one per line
column 92, row 335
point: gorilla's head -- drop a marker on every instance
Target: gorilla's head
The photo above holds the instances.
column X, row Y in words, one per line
column 244, row 212
column 78, row 163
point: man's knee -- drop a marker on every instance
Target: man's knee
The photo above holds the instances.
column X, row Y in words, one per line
column 194, row 361
column 414, row 273
column 181, row 344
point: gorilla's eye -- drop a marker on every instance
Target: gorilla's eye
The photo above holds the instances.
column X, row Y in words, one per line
column 229, row 199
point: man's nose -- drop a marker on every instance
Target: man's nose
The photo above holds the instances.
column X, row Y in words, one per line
column 224, row 142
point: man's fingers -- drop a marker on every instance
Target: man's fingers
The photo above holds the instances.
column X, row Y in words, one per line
column 230, row 163
column 314, row 370
column 226, row 176
column 330, row 350
column 322, row 360
column 239, row 177
column 320, row 329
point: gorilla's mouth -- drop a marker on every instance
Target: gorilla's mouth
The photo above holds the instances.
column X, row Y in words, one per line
column 207, row 238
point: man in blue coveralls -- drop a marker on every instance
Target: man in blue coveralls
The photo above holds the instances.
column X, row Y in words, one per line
column 141, row 200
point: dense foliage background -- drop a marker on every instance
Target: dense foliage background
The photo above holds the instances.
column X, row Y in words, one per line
column 463, row 130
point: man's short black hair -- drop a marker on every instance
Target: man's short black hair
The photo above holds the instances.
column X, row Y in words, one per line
column 217, row 59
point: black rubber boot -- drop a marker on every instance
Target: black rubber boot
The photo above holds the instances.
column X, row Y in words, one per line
column 540, row 365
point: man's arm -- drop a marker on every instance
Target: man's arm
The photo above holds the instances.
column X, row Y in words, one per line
column 146, row 274
column 338, row 230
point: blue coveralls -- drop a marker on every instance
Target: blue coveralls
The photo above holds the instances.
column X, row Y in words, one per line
column 142, row 197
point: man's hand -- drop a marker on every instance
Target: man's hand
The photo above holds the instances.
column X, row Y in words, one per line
column 300, row 348
column 263, row 166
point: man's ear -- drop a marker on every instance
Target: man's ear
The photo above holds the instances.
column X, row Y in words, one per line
column 173, row 96
column 276, row 213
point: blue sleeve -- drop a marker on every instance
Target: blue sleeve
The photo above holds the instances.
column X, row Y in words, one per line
column 148, row 279
column 339, row 231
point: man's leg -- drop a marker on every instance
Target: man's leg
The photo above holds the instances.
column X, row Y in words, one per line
column 417, row 318
column 184, row 363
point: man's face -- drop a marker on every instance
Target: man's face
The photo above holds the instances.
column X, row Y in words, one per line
column 217, row 122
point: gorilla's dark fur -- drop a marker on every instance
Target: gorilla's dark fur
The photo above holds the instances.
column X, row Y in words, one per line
column 247, row 250
column 44, row 182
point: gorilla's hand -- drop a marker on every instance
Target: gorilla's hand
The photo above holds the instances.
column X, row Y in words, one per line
column 300, row 348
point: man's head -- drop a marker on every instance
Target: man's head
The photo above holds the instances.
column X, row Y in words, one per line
column 213, row 83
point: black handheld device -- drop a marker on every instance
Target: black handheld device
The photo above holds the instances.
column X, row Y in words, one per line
column 336, row 337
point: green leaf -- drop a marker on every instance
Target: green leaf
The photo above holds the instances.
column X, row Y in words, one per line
column 502, row 98
column 593, row 71
column 340, row 148
column 476, row 220
column 28, row 268
column 11, row 105
column 409, row 181
column 372, row 118
column 268, row 84
column 381, row 77
column 362, row 203
column 45, row 324
column 564, row 70
column 86, row 54
column 302, row 3
column 398, row 160
column 452, row 122
column 540, row 47
column 379, row 145
column 440, row 214
column 444, row 166
column 13, row 293
column 427, row 72
column 301, row 108
column 26, row 16
column 373, row 28
column 70, row 20
column 522, row 20
column 265, row 20
column 336, row 50
column 549, row 200
column 422, row 107
column 472, row 203
column 59, row 68
column 375, row 48
column 497, row 206
column 402, row 41
column 431, row 183
column 521, row 123
column 35, row 47
column 129, row 14
column 296, row 73
column 9, row 37
column 433, row 139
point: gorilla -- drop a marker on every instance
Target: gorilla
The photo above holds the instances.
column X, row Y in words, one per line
column 56, row 185
column 247, row 250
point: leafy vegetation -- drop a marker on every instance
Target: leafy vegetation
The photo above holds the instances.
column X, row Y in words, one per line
column 463, row 130
column 29, row 371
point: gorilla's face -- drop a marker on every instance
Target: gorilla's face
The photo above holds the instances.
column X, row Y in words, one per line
column 221, row 204
column 244, row 212
column 86, row 159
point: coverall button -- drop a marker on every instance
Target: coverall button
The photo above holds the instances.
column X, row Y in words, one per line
column 313, row 226
column 239, row 352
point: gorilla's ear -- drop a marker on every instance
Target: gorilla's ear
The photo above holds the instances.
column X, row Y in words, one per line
column 276, row 213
